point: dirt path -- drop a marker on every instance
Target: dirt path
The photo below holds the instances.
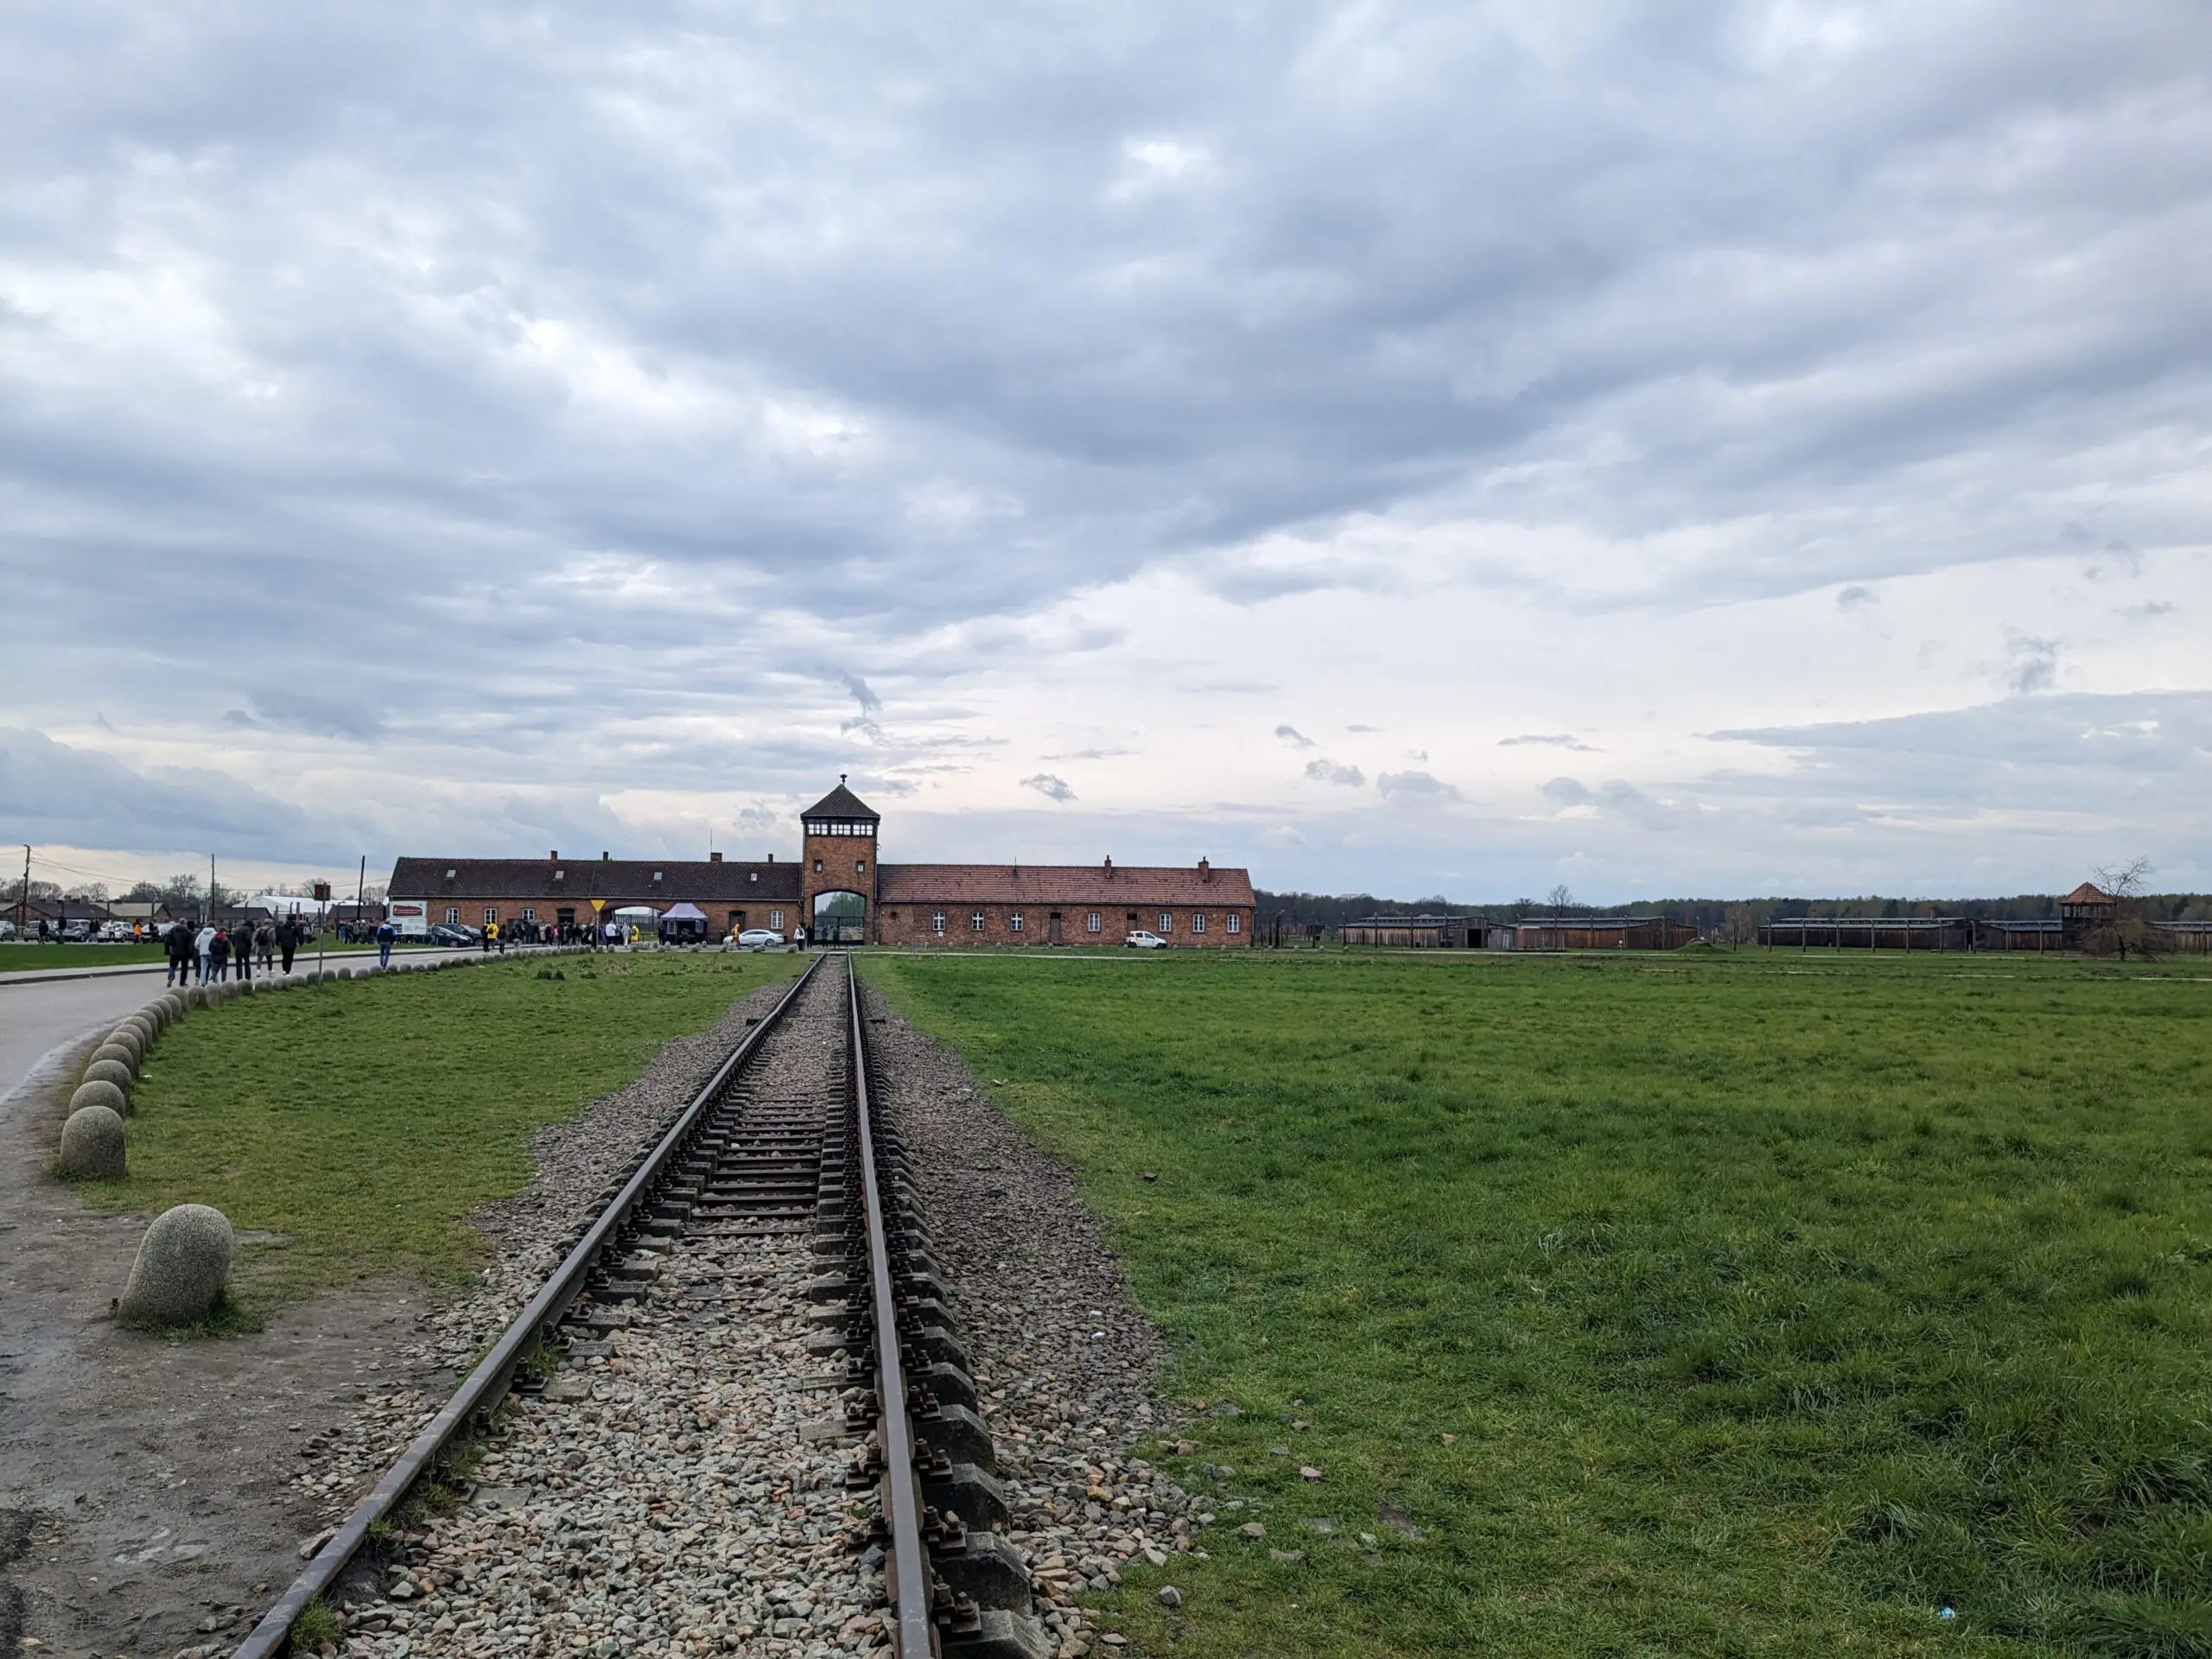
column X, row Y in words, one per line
column 153, row 1474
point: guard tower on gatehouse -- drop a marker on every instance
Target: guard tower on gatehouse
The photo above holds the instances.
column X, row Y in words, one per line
column 838, row 867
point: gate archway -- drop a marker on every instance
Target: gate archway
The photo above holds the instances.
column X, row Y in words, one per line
column 839, row 918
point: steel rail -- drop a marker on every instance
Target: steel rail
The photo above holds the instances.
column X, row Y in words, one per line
column 906, row 1563
column 487, row 1384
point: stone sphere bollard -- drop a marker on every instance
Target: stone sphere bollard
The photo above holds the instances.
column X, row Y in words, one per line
column 174, row 1001
column 99, row 1094
column 92, row 1145
column 126, row 1058
column 112, row 1072
column 144, row 1023
column 196, row 997
column 183, row 1263
column 127, row 1037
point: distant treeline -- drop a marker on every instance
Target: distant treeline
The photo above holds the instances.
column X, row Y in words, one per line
column 1709, row 915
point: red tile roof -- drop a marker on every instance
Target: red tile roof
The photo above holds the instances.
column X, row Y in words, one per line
column 1130, row 886
column 2088, row 894
column 581, row 880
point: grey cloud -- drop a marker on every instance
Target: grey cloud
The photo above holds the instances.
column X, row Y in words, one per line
column 2149, row 608
column 1293, row 736
column 1328, row 772
column 1555, row 740
column 316, row 714
column 55, row 792
column 2030, row 664
column 1362, row 728
column 1617, row 799
column 1417, row 785
column 1052, row 788
column 1855, row 597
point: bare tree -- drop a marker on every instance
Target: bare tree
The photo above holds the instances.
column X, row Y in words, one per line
column 1561, row 900
column 2129, row 929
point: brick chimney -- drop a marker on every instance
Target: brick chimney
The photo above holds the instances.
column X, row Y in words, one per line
column 1110, row 869
column 713, row 858
column 1205, row 871
column 555, row 855
column 606, row 857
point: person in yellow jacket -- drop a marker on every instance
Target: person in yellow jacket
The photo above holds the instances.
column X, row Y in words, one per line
column 491, row 937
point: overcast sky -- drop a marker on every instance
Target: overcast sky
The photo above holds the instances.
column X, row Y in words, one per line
column 1664, row 448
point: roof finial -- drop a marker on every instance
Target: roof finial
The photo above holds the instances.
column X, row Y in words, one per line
column 841, row 776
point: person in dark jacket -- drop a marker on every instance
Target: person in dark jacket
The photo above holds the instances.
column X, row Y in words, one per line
column 287, row 940
column 242, row 949
column 181, row 955
column 219, row 955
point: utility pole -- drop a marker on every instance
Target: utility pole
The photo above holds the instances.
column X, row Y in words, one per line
column 24, row 903
column 207, row 911
column 360, row 894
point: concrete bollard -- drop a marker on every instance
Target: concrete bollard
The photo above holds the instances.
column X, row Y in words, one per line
column 112, row 1072
column 196, row 997
column 128, row 1058
column 183, row 1262
column 128, row 1037
column 100, row 1094
column 92, row 1145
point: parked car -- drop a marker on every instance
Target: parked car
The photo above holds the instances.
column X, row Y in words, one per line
column 77, row 932
column 1140, row 940
column 759, row 939
column 454, row 933
column 114, row 932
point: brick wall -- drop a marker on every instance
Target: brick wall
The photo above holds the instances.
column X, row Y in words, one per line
column 907, row 924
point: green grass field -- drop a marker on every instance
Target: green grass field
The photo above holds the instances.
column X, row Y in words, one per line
column 366, row 1121
column 24, row 958
column 1724, row 1306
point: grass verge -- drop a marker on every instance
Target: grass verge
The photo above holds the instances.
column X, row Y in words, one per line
column 1636, row 1306
column 363, row 1122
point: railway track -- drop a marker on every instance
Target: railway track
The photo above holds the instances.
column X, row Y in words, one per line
column 741, row 1417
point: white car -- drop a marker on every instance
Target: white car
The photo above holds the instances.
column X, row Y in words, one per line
column 1141, row 940
column 759, row 939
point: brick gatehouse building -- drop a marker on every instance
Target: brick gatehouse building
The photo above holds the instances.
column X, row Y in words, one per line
column 840, row 893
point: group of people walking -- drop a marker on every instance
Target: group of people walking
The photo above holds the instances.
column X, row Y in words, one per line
column 216, row 953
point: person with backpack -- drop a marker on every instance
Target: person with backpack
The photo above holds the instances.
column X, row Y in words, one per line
column 219, row 953
column 386, row 935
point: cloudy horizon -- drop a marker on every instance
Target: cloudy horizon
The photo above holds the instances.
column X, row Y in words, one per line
column 1401, row 448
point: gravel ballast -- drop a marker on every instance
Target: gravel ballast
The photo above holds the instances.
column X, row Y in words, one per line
column 678, row 1488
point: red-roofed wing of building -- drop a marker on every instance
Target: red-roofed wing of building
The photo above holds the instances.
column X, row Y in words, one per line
column 1063, row 903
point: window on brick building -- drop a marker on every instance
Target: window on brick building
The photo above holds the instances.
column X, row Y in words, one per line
column 1094, row 923
column 860, row 866
column 1167, row 922
column 936, row 921
column 1199, row 923
column 529, row 913
column 491, row 914
column 1014, row 923
column 974, row 921
column 453, row 915
column 776, row 920
column 817, row 866
column 1235, row 924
